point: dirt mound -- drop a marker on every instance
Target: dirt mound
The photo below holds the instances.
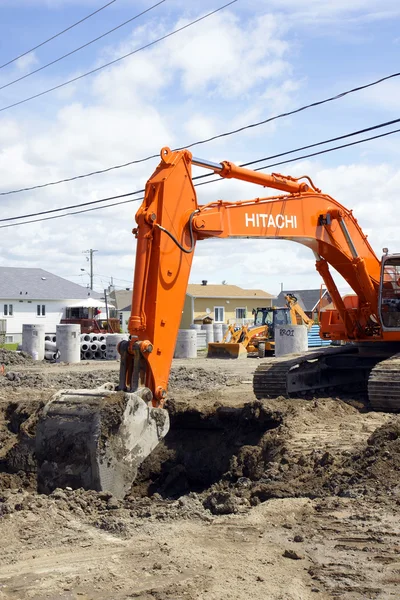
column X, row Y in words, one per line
column 57, row 381
column 198, row 379
column 8, row 357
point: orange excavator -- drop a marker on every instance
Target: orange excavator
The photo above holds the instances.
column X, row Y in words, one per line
column 81, row 443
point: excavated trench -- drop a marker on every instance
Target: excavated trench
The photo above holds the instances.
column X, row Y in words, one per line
column 227, row 455
column 205, row 446
column 202, row 447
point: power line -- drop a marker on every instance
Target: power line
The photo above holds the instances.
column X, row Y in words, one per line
column 53, row 210
column 57, row 34
column 207, row 175
column 53, row 62
column 78, row 212
column 198, row 184
column 284, row 162
column 112, row 62
column 204, row 141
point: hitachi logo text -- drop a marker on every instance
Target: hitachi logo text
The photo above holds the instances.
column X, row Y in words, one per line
column 262, row 220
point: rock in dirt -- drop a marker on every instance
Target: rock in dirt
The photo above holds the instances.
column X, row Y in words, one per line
column 293, row 555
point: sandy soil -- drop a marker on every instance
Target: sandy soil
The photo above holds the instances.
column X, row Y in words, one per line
column 273, row 500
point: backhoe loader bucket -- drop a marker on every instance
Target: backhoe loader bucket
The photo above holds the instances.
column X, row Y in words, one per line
column 96, row 439
column 226, row 350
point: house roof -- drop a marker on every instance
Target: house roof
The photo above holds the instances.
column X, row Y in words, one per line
column 38, row 284
column 123, row 299
column 197, row 290
column 308, row 299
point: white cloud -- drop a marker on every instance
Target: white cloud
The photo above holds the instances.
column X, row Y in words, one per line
column 26, row 62
column 211, row 78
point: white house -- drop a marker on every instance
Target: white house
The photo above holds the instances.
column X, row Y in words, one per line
column 29, row 296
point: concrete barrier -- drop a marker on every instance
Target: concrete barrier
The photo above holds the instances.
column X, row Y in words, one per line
column 33, row 340
column 69, row 343
column 218, row 332
column 209, row 329
column 290, row 339
column 112, row 341
column 186, row 344
column 201, row 340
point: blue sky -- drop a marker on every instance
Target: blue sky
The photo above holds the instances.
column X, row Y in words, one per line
column 251, row 61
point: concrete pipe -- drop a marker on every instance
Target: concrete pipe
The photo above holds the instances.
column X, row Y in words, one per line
column 208, row 328
column 85, row 337
column 88, row 354
column 290, row 339
column 186, row 344
column 69, row 344
column 54, row 338
column 104, row 355
column 47, row 338
column 84, row 346
column 103, row 347
column 33, row 340
column 93, row 337
column 102, row 338
column 218, row 334
column 97, row 355
column 201, row 340
column 94, row 346
column 112, row 341
column 51, row 355
column 196, row 326
column 50, row 346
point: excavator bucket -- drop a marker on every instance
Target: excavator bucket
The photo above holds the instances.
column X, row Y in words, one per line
column 226, row 350
column 96, row 439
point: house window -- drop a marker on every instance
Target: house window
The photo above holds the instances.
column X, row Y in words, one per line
column 241, row 313
column 41, row 310
column 8, row 310
column 9, row 339
column 219, row 314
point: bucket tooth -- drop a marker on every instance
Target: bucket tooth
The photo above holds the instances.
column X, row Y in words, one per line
column 96, row 439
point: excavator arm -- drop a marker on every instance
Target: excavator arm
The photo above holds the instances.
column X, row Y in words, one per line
column 170, row 222
column 295, row 309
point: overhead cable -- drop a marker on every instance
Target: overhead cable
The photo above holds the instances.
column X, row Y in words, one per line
column 53, row 62
column 112, row 62
column 297, row 158
column 194, row 178
column 57, row 34
column 207, row 175
column 335, row 139
column 53, row 210
column 204, row 141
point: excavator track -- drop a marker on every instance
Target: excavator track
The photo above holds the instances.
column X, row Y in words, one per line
column 312, row 373
column 384, row 385
column 270, row 379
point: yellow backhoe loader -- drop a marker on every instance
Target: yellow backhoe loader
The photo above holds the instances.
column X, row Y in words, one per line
column 259, row 338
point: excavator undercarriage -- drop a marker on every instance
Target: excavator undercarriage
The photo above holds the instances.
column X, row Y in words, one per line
column 351, row 370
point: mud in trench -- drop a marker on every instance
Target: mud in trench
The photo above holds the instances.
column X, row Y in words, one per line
column 204, row 447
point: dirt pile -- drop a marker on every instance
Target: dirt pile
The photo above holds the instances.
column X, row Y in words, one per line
column 56, row 381
column 8, row 357
column 199, row 379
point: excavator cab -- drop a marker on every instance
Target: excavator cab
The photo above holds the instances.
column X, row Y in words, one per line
column 389, row 297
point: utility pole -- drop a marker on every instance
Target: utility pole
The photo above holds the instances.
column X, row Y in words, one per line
column 90, row 259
